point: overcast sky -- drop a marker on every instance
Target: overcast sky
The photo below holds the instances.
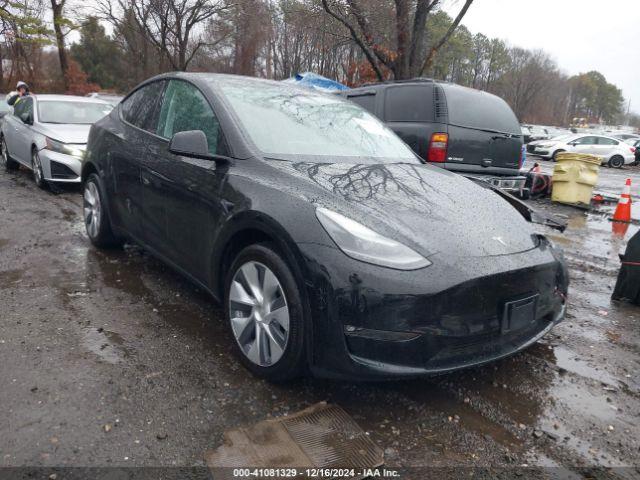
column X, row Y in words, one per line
column 581, row 35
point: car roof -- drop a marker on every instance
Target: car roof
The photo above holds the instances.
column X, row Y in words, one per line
column 68, row 98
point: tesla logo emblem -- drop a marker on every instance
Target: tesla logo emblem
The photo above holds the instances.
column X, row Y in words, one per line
column 499, row 240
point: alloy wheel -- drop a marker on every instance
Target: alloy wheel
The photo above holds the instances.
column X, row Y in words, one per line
column 37, row 168
column 616, row 162
column 3, row 154
column 92, row 209
column 259, row 313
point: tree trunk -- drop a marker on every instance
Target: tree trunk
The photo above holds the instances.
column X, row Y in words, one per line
column 57, row 27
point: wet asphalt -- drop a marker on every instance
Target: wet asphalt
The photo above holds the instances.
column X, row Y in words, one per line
column 108, row 358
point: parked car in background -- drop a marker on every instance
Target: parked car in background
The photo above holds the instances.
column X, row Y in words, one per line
column 111, row 99
column 531, row 146
column 626, row 136
column 635, row 144
column 331, row 245
column 458, row 128
column 537, row 132
column 4, row 108
column 614, row 152
column 48, row 134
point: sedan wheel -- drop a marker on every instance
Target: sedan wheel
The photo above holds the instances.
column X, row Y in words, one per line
column 259, row 314
column 36, row 167
column 616, row 162
column 7, row 162
column 92, row 210
column 265, row 314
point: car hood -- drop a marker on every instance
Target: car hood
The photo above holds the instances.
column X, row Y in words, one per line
column 428, row 208
column 65, row 133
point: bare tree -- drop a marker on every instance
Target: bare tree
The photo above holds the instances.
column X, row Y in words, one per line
column 403, row 53
column 174, row 27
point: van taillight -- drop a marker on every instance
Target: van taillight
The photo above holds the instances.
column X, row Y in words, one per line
column 633, row 149
column 438, row 148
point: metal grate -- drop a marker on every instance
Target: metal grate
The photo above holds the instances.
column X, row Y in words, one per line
column 322, row 436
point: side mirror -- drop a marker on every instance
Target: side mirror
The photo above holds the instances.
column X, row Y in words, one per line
column 191, row 143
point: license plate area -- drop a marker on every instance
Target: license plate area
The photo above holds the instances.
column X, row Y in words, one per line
column 519, row 314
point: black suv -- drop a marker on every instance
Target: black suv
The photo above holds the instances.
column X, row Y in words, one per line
column 461, row 129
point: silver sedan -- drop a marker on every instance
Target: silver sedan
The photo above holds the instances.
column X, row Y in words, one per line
column 48, row 134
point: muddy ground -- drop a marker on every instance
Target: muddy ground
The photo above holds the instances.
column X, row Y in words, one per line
column 111, row 359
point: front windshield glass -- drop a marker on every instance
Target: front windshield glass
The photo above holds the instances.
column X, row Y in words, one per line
column 292, row 123
column 77, row 113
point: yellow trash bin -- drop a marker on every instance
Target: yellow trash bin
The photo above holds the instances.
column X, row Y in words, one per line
column 574, row 177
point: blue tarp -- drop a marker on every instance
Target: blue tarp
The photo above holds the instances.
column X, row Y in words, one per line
column 313, row 80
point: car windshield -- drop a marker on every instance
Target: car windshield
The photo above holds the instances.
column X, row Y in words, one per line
column 77, row 113
column 292, row 123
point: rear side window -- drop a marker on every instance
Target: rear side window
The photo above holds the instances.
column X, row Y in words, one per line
column 366, row 101
column 586, row 141
column 480, row 110
column 409, row 103
column 606, row 141
column 138, row 108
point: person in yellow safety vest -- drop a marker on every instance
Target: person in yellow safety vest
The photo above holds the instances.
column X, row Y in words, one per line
column 22, row 90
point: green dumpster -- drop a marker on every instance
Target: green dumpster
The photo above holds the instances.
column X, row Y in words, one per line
column 574, row 177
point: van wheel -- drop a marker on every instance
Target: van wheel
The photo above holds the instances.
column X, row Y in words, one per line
column 616, row 162
column 554, row 157
column 265, row 313
column 7, row 162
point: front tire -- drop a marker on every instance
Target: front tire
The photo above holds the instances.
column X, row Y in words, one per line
column 264, row 310
column 616, row 162
column 554, row 157
column 36, row 167
column 7, row 162
column 95, row 215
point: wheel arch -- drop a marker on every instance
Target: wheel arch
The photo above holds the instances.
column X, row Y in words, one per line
column 249, row 228
column 87, row 169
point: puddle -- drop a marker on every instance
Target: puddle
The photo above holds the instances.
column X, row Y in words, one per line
column 569, row 361
column 9, row 278
column 108, row 346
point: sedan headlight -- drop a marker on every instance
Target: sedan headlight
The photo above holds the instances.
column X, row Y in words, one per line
column 362, row 243
column 75, row 150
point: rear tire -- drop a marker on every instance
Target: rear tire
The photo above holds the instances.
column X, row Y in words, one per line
column 616, row 161
column 36, row 167
column 7, row 162
column 264, row 311
column 95, row 215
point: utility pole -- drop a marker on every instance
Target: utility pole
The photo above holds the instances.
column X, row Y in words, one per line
column 628, row 112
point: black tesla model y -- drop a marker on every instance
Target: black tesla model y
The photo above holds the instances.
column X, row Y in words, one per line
column 332, row 247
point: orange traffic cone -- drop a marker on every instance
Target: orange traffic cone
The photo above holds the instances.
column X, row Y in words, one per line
column 619, row 229
column 623, row 210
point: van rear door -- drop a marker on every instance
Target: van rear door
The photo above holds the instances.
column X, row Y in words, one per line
column 484, row 133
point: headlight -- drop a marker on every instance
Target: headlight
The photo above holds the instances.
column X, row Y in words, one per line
column 362, row 243
column 74, row 150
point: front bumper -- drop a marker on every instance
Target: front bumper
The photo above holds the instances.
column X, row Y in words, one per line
column 373, row 323
column 59, row 167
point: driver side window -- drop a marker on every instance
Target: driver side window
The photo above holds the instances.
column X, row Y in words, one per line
column 23, row 108
column 184, row 108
